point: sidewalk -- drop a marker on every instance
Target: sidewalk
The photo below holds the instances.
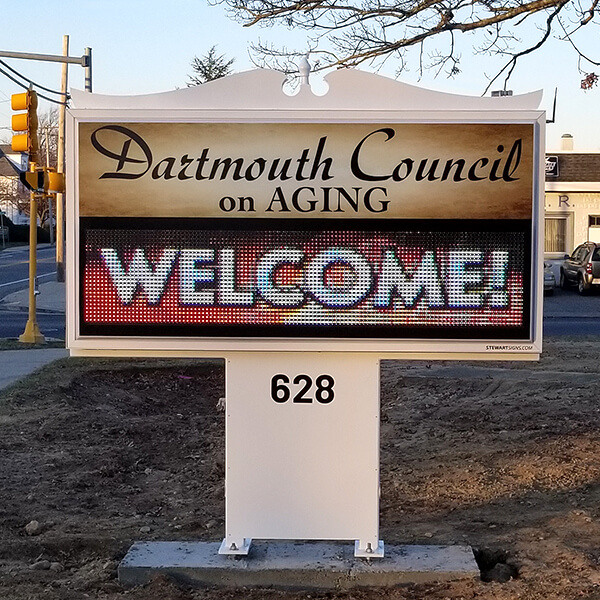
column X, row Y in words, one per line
column 18, row 364
column 50, row 299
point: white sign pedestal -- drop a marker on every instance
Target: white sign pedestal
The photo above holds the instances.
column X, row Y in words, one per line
column 302, row 449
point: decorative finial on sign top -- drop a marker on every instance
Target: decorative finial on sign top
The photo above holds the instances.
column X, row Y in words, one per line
column 304, row 70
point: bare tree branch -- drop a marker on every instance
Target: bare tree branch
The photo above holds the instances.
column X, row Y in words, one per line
column 512, row 63
column 348, row 33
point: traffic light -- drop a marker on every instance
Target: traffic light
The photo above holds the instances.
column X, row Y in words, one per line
column 43, row 180
column 27, row 122
column 33, row 180
column 54, row 183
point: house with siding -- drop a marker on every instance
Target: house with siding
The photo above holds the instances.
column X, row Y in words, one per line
column 572, row 200
column 9, row 187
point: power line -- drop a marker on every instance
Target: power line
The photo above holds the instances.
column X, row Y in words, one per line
column 31, row 82
column 26, row 87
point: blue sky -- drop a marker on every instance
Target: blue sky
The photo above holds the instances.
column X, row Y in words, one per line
column 145, row 46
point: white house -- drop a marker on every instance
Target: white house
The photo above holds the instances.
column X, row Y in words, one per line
column 572, row 200
column 8, row 187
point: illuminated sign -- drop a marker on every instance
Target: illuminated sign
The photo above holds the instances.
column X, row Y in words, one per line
column 304, row 238
column 334, row 231
column 270, row 231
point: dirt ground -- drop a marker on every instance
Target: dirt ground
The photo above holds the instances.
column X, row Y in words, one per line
column 96, row 454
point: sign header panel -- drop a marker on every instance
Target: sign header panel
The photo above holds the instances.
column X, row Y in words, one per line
column 307, row 170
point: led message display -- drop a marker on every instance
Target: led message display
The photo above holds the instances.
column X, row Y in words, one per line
column 341, row 278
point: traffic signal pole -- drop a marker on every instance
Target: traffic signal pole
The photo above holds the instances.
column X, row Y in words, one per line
column 84, row 61
column 32, row 333
column 26, row 123
column 40, row 181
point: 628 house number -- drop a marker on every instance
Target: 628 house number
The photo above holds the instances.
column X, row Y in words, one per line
column 302, row 389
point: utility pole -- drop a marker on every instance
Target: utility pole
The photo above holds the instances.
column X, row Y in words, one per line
column 2, row 228
column 48, row 197
column 27, row 141
column 88, row 69
column 60, row 164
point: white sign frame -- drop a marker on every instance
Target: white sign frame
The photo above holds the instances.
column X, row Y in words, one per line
column 353, row 97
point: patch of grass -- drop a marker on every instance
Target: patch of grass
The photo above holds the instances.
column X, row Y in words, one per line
column 59, row 374
column 10, row 344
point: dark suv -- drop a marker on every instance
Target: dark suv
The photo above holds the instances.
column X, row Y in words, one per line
column 582, row 268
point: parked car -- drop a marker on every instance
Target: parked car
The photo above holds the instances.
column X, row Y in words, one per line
column 582, row 268
column 549, row 279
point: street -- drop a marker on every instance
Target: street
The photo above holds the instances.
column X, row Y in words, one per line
column 14, row 276
column 561, row 326
column 568, row 313
column 14, row 267
column 12, row 324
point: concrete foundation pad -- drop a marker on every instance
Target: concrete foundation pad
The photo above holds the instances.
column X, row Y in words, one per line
column 294, row 565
